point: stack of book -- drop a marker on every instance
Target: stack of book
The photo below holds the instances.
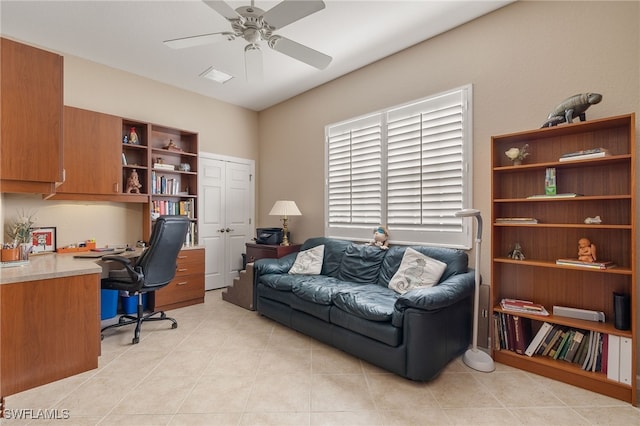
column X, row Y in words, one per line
column 523, row 306
column 604, row 264
column 585, row 154
column 520, row 220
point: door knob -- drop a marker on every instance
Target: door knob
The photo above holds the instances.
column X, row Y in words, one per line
column 221, row 230
column 228, row 230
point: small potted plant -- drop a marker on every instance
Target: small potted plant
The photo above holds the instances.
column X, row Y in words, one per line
column 516, row 155
column 20, row 234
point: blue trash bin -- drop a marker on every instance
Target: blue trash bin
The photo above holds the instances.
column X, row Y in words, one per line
column 108, row 304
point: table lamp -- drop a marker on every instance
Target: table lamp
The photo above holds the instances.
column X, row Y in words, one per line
column 285, row 209
column 474, row 357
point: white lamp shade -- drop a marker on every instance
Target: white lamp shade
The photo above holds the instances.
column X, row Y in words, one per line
column 285, row 208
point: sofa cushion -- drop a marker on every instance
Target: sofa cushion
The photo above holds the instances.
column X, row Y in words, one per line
column 319, row 289
column 383, row 332
column 308, row 262
column 416, row 271
column 333, row 253
column 370, row 302
column 282, row 282
column 456, row 260
column 361, row 263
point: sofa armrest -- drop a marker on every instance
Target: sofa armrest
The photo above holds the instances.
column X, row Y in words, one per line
column 447, row 293
column 274, row 266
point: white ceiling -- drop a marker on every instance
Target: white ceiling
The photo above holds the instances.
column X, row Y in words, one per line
column 129, row 35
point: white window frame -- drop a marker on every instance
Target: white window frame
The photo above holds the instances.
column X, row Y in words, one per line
column 362, row 151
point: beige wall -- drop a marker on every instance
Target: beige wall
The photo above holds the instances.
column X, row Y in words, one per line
column 522, row 60
column 223, row 129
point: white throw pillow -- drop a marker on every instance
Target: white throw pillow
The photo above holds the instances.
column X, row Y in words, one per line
column 416, row 271
column 309, row 262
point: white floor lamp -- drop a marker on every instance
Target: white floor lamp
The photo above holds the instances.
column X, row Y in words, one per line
column 474, row 357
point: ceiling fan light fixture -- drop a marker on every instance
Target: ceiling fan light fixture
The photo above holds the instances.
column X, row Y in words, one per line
column 216, row 75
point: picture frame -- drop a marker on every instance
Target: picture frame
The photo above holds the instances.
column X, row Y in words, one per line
column 43, row 239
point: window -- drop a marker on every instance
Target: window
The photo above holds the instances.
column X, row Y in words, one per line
column 407, row 167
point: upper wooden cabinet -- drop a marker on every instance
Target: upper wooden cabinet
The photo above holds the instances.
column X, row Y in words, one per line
column 91, row 143
column 31, row 92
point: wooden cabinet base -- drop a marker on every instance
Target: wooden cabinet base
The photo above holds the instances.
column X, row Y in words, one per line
column 241, row 291
column 187, row 288
column 50, row 329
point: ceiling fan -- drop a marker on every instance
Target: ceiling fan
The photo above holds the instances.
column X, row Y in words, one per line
column 254, row 25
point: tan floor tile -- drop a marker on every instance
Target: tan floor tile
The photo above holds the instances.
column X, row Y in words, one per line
column 333, row 361
column 481, row 416
column 285, row 361
column 453, row 390
column 239, row 362
column 156, row 395
column 97, row 396
column 626, row 415
column 501, row 386
column 351, row 418
column 391, row 392
column 275, row 419
column 557, row 416
column 218, row 394
column 340, row 392
column 280, row 392
column 206, row 419
column 417, row 417
column 183, row 363
column 132, row 366
column 135, row 420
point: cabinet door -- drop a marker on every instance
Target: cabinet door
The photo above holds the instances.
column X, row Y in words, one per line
column 92, row 156
column 31, row 115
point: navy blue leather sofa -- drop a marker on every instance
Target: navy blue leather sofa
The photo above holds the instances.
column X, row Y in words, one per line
column 350, row 307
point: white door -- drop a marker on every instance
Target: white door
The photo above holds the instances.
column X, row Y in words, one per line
column 225, row 216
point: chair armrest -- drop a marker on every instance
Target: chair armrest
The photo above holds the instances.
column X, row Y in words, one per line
column 274, row 266
column 133, row 274
column 447, row 293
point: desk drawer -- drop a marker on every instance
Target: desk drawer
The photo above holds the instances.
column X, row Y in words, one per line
column 190, row 262
column 178, row 292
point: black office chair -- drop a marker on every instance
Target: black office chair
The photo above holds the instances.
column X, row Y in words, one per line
column 154, row 269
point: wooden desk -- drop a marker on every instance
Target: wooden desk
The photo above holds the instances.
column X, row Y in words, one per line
column 241, row 291
column 49, row 321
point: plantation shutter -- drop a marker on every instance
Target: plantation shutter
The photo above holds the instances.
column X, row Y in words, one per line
column 354, row 178
column 425, row 165
column 407, row 167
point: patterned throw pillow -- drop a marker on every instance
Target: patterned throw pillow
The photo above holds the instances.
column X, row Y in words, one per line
column 308, row 262
column 416, row 271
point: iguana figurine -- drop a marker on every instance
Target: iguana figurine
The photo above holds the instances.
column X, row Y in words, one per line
column 572, row 107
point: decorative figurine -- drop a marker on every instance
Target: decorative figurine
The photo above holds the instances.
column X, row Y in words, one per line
column 172, row 146
column 516, row 253
column 586, row 250
column 593, row 220
column 133, row 137
column 380, row 237
column 133, row 184
column 572, row 107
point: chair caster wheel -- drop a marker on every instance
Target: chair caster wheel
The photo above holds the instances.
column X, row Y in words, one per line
column 135, row 340
column 101, row 337
column 174, row 325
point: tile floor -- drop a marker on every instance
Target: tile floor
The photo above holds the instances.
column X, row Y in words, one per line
column 225, row 365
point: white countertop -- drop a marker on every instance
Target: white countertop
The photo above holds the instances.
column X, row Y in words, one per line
column 47, row 266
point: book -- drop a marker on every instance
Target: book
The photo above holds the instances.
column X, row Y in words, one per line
column 523, row 220
column 524, row 306
column 522, row 333
column 553, row 341
column 538, row 339
column 605, row 264
column 585, row 154
column 562, row 348
column 549, row 337
column 563, row 195
column 574, row 344
column 550, row 181
column 163, row 166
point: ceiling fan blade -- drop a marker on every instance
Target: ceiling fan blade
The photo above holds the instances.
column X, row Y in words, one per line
column 199, row 40
column 300, row 52
column 286, row 12
column 253, row 63
column 223, row 9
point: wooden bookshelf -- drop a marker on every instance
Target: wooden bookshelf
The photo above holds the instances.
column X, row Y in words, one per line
column 606, row 187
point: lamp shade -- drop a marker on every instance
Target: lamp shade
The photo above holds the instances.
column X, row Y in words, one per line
column 285, row 208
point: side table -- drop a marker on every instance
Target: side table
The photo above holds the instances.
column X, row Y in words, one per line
column 241, row 291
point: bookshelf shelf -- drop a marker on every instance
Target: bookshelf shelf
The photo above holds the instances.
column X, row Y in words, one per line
column 606, row 187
